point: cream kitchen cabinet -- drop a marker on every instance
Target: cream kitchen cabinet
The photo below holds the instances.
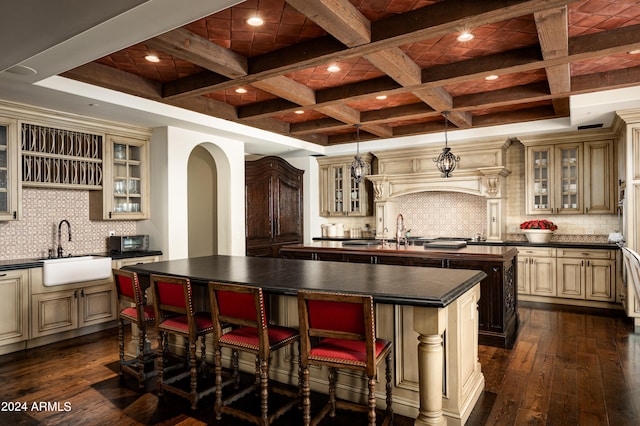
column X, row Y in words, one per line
column 587, row 274
column 574, row 177
column 121, row 263
column 125, row 190
column 340, row 194
column 537, row 271
column 10, row 188
column 14, row 306
column 70, row 306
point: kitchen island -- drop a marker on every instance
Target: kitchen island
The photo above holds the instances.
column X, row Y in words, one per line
column 437, row 383
column 498, row 307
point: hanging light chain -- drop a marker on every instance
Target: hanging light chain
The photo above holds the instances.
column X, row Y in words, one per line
column 358, row 167
column 446, row 161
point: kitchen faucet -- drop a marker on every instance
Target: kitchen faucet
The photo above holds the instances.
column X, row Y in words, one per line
column 60, row 250
column 401, row 230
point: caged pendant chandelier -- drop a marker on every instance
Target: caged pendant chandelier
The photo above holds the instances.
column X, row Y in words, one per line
column 359, row 169
column 446, row 161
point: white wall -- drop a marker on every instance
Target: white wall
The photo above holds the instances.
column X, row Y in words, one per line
column 168, row 225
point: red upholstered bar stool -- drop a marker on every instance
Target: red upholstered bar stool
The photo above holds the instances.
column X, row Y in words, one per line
column 338, row 331
column 241, row 308
column 175, row 314
column 129, row 293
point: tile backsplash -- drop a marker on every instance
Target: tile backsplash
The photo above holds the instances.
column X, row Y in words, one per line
column 37, row 231
column 443, row 214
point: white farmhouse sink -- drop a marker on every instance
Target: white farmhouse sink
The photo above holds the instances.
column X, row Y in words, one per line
column 75, row 269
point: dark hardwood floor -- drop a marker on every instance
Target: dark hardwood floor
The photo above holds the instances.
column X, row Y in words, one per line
column 568, row 367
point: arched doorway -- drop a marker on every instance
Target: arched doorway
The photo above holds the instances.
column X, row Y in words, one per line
column 202, row 184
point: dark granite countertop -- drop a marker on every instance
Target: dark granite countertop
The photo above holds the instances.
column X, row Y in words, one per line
column 404, row 285
column 11, row 264
column 554, row 244
column 481, row 252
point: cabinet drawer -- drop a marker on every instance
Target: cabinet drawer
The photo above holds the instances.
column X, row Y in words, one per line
column 587, row 254
column 537, row 251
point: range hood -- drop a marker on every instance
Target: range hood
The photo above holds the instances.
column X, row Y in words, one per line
column 481, row 172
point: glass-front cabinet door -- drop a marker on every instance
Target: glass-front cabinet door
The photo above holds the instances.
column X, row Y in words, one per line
column 540, row 183
column 554, row 179
column 9, row 173
column 569, row 172
column 340, row 194
column 338, row 173
column 125, row 193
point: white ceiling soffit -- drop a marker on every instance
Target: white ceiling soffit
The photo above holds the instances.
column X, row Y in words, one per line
column 37, row 25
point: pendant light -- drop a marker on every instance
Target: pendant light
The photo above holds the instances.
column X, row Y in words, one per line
column 359, row 169
column 446, row 161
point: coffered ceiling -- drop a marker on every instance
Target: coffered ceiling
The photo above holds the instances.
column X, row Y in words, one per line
column 541, row 52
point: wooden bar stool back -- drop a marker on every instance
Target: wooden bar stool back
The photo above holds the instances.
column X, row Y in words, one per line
column 240, row 323
column 134, row 310
column 175, row 314
column 338, row 331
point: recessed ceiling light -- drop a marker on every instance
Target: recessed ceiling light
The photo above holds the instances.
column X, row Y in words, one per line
column 465, row 36
column 241, row 90
column 381, row 97
column 152, row 58
column 635, row 52
column 299, row 111
column 333, row 68
column 255, row 21
column 491, row 77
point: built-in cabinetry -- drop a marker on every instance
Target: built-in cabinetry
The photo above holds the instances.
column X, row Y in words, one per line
column 70, row 306
column 55, row 157
column 111, row 160
column 626, row 125
column 587, row 274
column 125, row 190
column 340, row 194
column 14, row 306
column 498, row 306
column 32, row 314
column 537, row 271
column 567, row 273
column 274, row 209
column 9, row 170
column 570, row 173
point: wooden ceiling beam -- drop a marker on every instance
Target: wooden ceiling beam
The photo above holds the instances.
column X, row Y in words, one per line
column 351, row 116
column 317, row 126
column 402, row 112
column 190, row 47
column 397, row 65
column 450, row 17
column 553, row 33
column 288, row 89
column 514, row 116
column 411, row 26
column 337, row 17
column 115, row 79
column 441, row 100
column 616, row 79
column 343, row 21
column 508, row 96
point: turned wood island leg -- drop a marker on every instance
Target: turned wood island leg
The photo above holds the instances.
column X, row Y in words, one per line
column 449, row 374
column 430, row 324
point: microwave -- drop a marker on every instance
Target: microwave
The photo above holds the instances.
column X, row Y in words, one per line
column 124, row 243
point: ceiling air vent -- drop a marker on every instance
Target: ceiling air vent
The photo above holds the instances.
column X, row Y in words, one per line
column 590, row 126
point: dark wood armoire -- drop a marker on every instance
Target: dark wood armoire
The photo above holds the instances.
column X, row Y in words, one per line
column 273, row 206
